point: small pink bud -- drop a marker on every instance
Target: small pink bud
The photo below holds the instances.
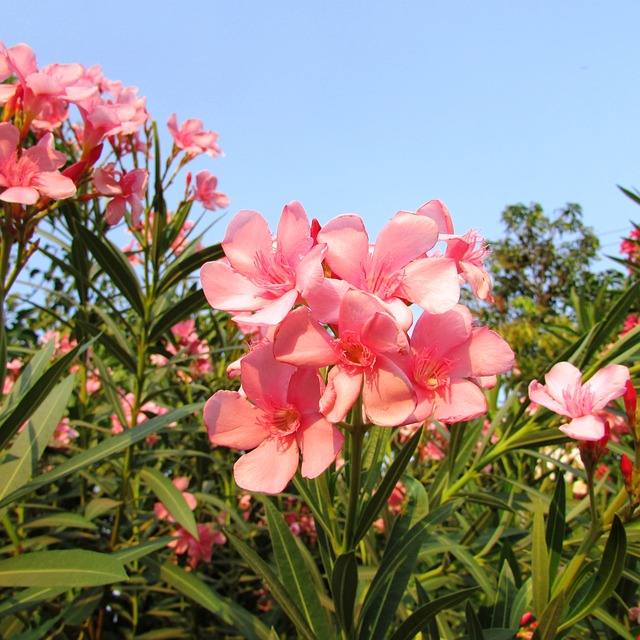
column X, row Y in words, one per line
column 631, row 404
column 627, row 472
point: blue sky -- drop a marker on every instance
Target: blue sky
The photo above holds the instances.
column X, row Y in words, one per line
column 371, row 107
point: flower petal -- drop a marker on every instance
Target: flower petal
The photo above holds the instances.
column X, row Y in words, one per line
column 232, row 421
column 590, row 427
column 320, row 443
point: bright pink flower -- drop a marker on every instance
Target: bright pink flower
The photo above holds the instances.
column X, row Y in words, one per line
column 395, row 269
column 127, row 401
column 469, row 252
column 565, row 395
column 124, row 188
column 181, row 484
column 262, row 274
column 205, row 192
column 446, row 351
column 200, row 549
column 12, row 373
column 191, row 138
column 33, row 174
column 63, row 434
column 368, row 354
column 283, row 423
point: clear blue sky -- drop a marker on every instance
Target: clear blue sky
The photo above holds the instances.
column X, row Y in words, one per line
column 370, row 107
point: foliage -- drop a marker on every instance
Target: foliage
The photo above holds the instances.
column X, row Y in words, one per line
column 121, row 520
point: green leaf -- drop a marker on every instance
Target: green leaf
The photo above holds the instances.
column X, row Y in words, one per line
column 378, row 500
column 99, row 506
column 550, row 619
column 505, row 595
column 83, row 606
column 20, row 463
column 131, row 554
column 172, row 498
column 187, row 306
column 607, row 577
column 422, row 616
column 554, row 536
column 186, row 264
column 189, row 585
column 278, row 590
column 61, row 521
column 104, row 450
column 66, row 568
column 116, row 266
column 344, row 585
column 31, row 372
column 28, row 598
column 14, row 416
column 293, row 572
column 539, row 562
column 474, row 628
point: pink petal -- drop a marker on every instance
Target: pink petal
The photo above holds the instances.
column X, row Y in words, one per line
column 305, row 389
column 270, row 467
column 382, row 334
column 439, row 333
column 462, row 401
column 485, row 354
column 561, row 377
column 20, row 195
column 273, row 312
column 247, row 237
column 54, row 184
column 293, row 233
column 438, row 212
column 431, row 283
column 228, row 290
column 608, row 384
column 539, row 394
column 348, row 246
column 343, row 388
column 232, row 421
column 115, row 210
column 302, row 341
column 387, row 394
column 591, row 427
column 403, row 239
column 320, row 443
column 264, row 379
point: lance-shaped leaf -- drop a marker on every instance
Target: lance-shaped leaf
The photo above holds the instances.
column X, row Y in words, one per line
column 293, row 572
column 14, row 416
column 550, row 618
column 189, row 305
column 61, row 568
column 607, row 577
column 103, row 450
column 421, row 617
column 116, row 266
column 28, row 598
column 539, row 562
column 556, row 525
column 20, row 462
column 189, row 585
column 379, row 499
column 278, row 590
column 171, row 498
column 474, row 628
column 344, row 584
column 187, row 264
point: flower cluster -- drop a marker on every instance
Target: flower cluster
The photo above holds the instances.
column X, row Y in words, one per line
column 331, row 317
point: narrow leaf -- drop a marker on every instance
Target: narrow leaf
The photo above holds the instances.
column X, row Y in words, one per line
column 187, row 306
column 550, row 619
column 556, row 525
column 474, row 628
column 171, row 498
column 293, row 573
column 539, row 562
column 344, row 585
column 28, row 598
column 66, row 568
column 184, row 266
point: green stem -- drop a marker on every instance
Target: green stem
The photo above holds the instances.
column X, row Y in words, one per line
column 357, row 440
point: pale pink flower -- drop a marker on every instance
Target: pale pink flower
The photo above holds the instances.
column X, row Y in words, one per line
column 446, row 350
column 565, row 395
column 63, row 435
column 13, row 368
column 127, row 401
column 283, row 423
column 125, row 188
column 469, row 252
column 181, row 484
column 205, row 192
column 262, row 274
column 191, row 138
column 32, row 174
column 395, row 269
column 200, row 549
column 189, row 344
column 367, row 352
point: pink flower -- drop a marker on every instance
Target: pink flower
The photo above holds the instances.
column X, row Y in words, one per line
column 395, row 269
column 33, row 174
column 124, row 188
column 283, row 423
column 262, row 274
column 200, row 549
column 205, row 191
column 63, row 434
column 446, row 351
column 565, row 395
column 127, row 402
column 367, row 354
column 469, row 252
column 191, row 138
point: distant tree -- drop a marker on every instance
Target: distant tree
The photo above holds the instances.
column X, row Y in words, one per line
column 535, row 268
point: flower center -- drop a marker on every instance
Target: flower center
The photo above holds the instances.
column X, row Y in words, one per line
column 579, row 402
column 281, row 421
column 16, row 172
column 353, row 352
column 273, row 270
column 431, row 370
column 380, row 280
